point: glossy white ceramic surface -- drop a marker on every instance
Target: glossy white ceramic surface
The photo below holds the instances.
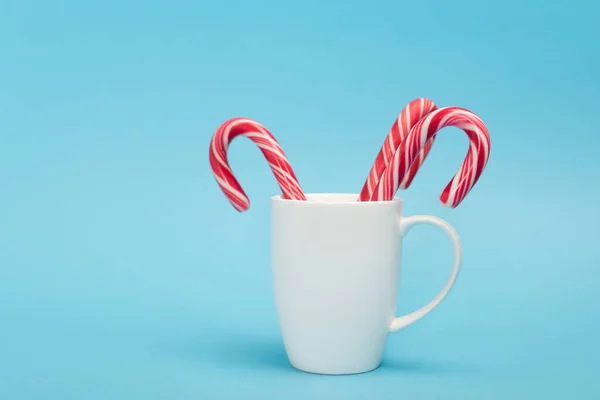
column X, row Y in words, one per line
column 336, row 268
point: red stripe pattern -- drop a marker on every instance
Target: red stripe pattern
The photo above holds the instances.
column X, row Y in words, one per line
column 270, row 148
column 420, row 136
column 410, row 115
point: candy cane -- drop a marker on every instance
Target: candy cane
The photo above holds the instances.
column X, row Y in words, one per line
column 410, row 115
column 271, row 150
column 423, row 132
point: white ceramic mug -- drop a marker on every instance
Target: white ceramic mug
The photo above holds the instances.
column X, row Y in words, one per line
column 336, row 267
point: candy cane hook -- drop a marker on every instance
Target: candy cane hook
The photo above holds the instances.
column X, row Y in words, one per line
column 422, row 133
column 270, row 148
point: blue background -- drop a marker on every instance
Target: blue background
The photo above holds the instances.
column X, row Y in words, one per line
column 125, row 273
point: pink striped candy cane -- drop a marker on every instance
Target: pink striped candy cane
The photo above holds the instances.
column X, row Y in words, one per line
column 423, row 132
column 410, row 115
column 272, row 151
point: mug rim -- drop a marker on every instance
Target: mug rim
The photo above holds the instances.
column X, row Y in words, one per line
column 321, row 198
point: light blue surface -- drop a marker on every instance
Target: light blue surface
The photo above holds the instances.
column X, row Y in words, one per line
column 125, row 274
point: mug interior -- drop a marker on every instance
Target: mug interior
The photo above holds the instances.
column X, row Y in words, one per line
column 334, row 198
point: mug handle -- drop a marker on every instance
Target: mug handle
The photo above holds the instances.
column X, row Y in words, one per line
column 405, row 225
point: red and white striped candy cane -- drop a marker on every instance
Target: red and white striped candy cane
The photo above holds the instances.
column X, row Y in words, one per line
column 423, row 132
column 271, row 150
column 409, row 116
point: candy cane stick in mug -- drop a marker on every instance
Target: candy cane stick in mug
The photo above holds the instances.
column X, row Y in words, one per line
column 425, row 130
column 409, row 116
column 272, row 151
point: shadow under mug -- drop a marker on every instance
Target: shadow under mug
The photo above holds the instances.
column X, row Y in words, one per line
column 336, row 268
